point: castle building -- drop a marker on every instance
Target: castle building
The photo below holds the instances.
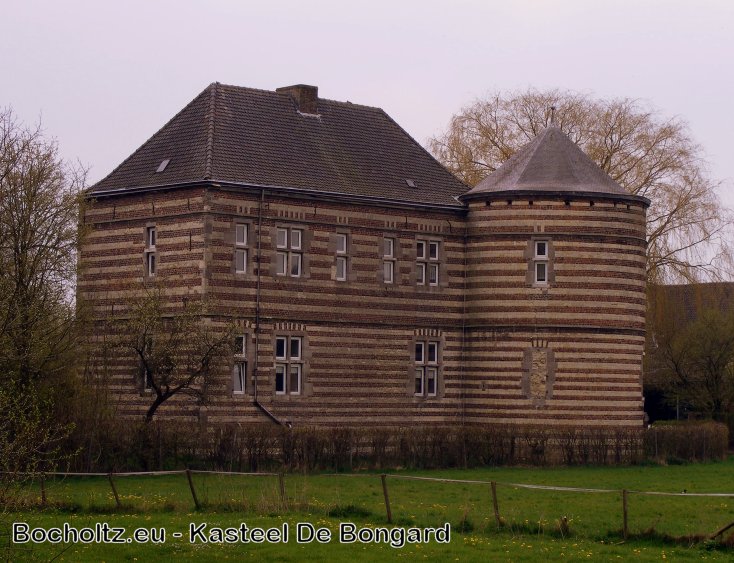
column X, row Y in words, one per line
column 369, row 285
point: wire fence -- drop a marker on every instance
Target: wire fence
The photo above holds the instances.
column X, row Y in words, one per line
column 501, row 504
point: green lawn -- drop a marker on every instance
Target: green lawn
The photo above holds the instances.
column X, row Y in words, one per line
column 530, row 516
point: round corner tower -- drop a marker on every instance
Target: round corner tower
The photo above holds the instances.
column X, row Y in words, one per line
column 555, row 292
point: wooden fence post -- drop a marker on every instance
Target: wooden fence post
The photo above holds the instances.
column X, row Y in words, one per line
column 625, row 530
column 114, row 490
column 193, row 491
column 497, row 518
column 43, row 489
column 383, row 477
column 281, row 486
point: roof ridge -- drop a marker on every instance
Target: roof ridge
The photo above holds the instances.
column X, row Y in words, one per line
column 532, row 145
column 210, row 131
column 153, row 136
column 264, row 91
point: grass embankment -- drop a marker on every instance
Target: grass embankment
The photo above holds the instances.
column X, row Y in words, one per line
column 531, row 517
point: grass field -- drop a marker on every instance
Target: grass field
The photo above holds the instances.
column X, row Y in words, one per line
column 530, row 517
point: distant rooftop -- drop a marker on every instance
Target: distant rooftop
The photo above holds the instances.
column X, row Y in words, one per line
column 289, row 138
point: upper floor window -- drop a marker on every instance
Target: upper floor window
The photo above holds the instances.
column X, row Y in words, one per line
column 289, row 243
column 288, row 365
column 426, row 368
column 341, row 256
column 240, row 248
column 151, row 258
column 388, row 259
column 151, row 236
column 540, row 262
column 239, row 372
column 427, row 262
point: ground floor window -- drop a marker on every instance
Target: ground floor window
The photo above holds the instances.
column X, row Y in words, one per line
column 239, row 371
column 426, row 368
column 288, row 365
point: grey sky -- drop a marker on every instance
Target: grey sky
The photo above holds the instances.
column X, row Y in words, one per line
column 105, row 76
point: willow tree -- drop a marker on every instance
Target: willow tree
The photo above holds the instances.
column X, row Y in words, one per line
column 646, row 154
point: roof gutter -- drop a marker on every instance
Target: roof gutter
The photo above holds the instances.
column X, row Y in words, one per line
column 565, row 194
column 283, row 191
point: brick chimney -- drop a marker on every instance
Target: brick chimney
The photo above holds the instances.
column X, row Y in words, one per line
column 306, row 97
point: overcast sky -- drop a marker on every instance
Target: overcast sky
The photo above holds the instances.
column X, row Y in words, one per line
column 104, row 76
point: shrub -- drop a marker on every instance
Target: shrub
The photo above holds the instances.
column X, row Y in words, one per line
column 686, row 441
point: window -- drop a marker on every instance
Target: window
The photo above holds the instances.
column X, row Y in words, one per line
column 426, row 368
column 540, row 262
column 151, row 265
column 240, row 248
column 288, row 365
column 341, row 257
column 427, row 262
column 388, row 260
column 289, row 258
column 239, row 371
column 146, row 373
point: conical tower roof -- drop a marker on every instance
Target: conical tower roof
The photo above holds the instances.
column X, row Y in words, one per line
column 549, row 163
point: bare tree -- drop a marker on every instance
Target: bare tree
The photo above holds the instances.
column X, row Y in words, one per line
column 177, row 346
column 39, row 207
column 645, row 154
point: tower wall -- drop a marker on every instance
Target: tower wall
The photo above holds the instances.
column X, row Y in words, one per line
column 567, row 351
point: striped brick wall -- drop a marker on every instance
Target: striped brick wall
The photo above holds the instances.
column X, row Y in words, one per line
column 586, row 323
column 359, row 335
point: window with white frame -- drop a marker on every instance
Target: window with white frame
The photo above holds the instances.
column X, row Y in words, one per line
column 540, row 262
column 289, row 256
column 427, row 262
column 288, row 365
column 341, row 256
column 240, row 248
column 426, row 368
column 239, row 371
column 389, row 259
column 151, row 257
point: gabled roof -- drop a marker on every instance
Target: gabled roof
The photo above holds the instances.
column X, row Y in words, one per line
column 258, row 137
column 549, row 163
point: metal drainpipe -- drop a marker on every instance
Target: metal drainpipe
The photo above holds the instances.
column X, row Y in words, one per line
column 257, row 312
column 257, row 292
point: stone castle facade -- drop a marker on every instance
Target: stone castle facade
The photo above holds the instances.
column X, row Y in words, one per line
column 371, row 287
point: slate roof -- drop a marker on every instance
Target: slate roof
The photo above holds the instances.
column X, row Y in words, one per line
column 549, row 163
column 257, row 137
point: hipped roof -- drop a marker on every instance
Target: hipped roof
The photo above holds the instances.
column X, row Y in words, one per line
column 551, row 162
column 258, row 137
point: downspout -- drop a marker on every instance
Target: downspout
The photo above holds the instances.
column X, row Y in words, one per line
column 463, row 331
column 255, row 400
